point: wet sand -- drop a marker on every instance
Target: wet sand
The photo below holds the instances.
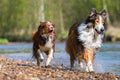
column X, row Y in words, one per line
column 23, row 70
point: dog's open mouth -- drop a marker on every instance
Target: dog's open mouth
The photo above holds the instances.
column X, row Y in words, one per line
column 51, row 31
column 99, row 32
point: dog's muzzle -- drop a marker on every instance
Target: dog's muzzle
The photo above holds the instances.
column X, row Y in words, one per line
column 101, row 31
column 51, row 30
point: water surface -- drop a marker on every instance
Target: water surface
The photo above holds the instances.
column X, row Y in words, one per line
column 107, row 60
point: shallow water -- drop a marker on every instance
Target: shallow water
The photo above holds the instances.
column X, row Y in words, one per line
column 107, row 60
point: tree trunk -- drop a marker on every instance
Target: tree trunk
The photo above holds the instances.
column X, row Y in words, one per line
column 61, row 18
column 105, row 7
column 41, row 16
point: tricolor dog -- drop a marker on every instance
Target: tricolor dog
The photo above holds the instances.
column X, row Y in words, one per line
column 85, row 39
column 44, row 41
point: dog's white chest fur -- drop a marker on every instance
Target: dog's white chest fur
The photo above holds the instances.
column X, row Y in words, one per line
column 47, row 45
column 87, row 37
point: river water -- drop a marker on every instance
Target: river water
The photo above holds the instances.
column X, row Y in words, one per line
column 107, row 60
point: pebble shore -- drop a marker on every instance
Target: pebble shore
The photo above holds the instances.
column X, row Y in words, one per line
column 21, row 70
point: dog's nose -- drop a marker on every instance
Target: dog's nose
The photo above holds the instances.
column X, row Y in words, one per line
column 51, row 28
column 102, row 29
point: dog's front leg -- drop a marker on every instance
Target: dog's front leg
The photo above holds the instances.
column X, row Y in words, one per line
column 41, row 58
column 49, row 57
column 80, row 62
column 88, row 57
column 36, row 53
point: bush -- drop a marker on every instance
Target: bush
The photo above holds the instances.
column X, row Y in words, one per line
column 3, row 41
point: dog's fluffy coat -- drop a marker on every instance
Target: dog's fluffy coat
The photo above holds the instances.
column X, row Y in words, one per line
column 84, row 39
column 44, row 41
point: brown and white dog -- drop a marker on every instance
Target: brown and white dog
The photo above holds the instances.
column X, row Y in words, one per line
column 84, row 39
column 44, row 41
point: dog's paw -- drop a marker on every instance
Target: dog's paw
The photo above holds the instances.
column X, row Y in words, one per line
column 72, row 69
column 48, row 66
column 92, row 71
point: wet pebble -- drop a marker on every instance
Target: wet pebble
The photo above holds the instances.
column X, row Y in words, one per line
column 0, row 66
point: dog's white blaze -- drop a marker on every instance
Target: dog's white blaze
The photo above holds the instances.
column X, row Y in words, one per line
column 49, row 57
column 100, row 17
column 100, row 25
column 47, row 46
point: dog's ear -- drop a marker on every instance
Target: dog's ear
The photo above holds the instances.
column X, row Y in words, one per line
column 40, row 26
column 104, row 14
column 93, row 12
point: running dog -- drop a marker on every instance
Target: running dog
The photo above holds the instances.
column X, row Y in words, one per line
column 85, row 39
column 44, row 41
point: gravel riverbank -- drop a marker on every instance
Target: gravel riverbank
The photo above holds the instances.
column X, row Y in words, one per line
column 22, row 70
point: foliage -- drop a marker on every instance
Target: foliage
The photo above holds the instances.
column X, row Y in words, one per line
column 3, row 41
column 18, row 18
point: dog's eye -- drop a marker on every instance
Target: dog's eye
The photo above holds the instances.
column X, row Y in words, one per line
column 43, row 26
column 103, row 22
column 97, row 21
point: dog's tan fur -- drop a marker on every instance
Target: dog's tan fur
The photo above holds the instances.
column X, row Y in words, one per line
column 84, row 39
column 44, row 40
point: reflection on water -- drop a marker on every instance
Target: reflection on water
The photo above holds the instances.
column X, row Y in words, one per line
column 107, row 60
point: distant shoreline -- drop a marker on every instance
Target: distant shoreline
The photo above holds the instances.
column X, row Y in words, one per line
column 111, row 35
